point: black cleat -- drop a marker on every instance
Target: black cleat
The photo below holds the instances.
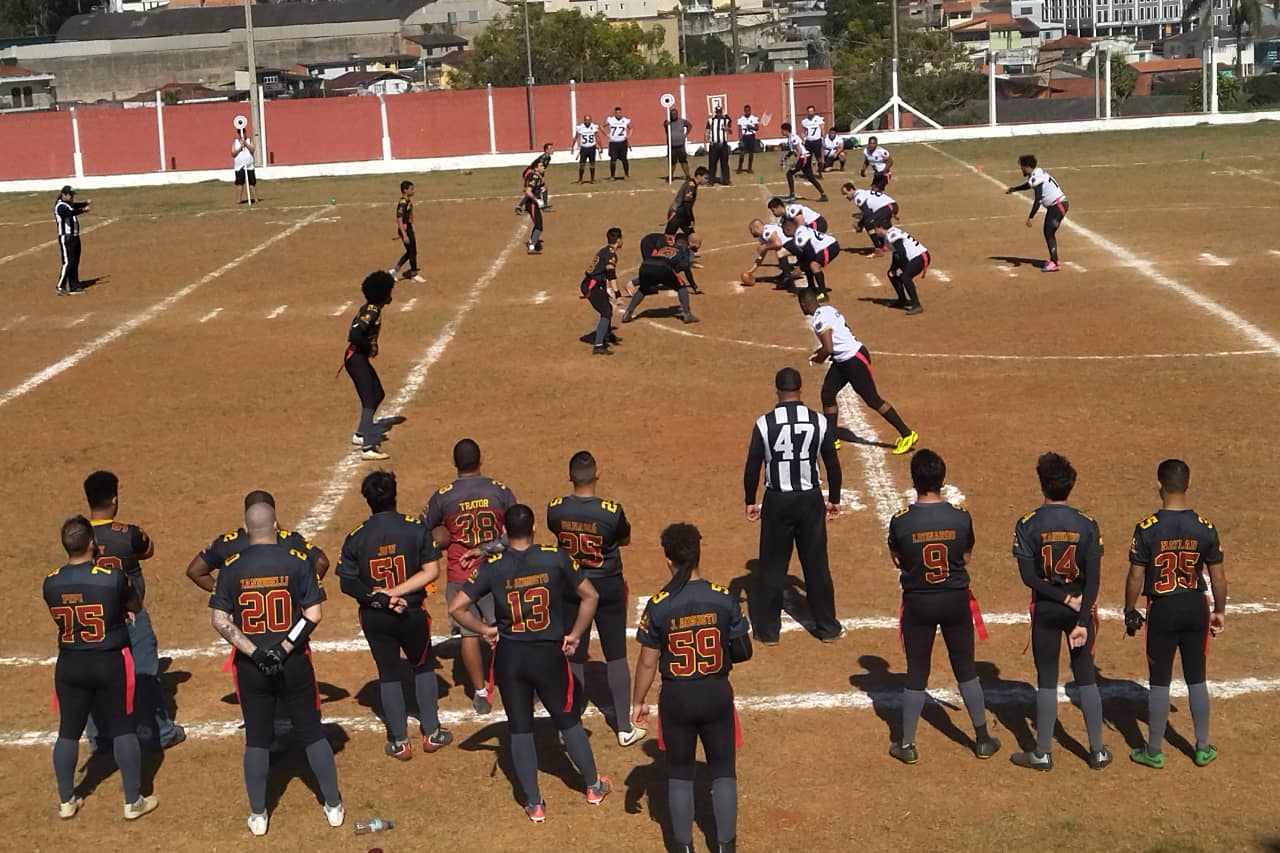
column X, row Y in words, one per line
column 1100, row 759
column 905, row 752
column 986, row 747
column 604, row 350
column 916, row 309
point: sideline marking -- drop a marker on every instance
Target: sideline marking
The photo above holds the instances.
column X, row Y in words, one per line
column 1251, row 176
column 540, row 297
column 1213, row 260
column 875, row 472
column 67, row 362
column 1254, row 334
column 79, row 320
column 941, row 275
column 340, row 309
column 31, row 251
column 339, row 477
column 276, row 312
column 16, row 321
column 408, row 306
column 212, row 314
column 858, row 700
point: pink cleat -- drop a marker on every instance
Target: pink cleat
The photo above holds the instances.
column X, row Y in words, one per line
column 1049, row 266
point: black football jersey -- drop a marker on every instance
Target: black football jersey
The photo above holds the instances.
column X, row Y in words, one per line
column 1175, row 546
column 589, row 530
column 236, row 541
column 1063, row 545
column 366, row 325
column 387, row 549
column 404, row 211
column 932, row 542
column 124, row 547
column 685, row 197
column 88, row 603
column 603, row 268
column 529, row 589
column 265, row 588
column 691, row 629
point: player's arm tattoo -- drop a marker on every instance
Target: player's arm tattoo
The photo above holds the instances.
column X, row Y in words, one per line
column 221, row 621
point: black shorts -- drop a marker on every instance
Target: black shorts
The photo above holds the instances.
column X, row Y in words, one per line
column 678, row 221
column 240, row 177
column 1050, row 621
column 365, row 378
column 658, row 276
column 1054, row 214
column 586, row 155
column 749, row 144
column 610, row 619
column 389, row 633
column 855, row 372
column 678, row 154
column 820, row 225
column 599, row 299
column 295, row 689
column 814, row 147
column 881, row 218
column 525, row 670
column 823, row 257
column 689, row 711
column 617, row 150
column 879, row 180
column 1177, row 623
column 923, row 613
column 98, row 683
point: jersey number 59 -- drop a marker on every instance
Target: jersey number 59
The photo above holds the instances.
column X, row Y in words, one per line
column 695, row 652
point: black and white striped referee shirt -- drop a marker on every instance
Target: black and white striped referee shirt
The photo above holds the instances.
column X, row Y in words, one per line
column 718, row 128
column 65, row 214
column 787, row 442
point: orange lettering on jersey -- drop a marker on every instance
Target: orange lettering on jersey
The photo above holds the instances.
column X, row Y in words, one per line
column 478, row 503
column 697, row 620
column 933, row 535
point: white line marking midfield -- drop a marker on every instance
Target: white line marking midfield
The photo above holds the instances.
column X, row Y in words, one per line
column 408, row 306
column 341, row 309
column 31, row 251
column 539, row 297
column 1213, row 260
column 79, row 320
column 211, row 315
column 276, row 312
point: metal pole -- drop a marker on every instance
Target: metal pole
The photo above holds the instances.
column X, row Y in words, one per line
column 493, row 139
column 1097, row 83
column 76, row 157
column 386, row 135
column 528, row 80
column 1213, row 76
column 255, row 108
column 1106, row 103
column 791, row 97
column 991, row 88
column 684, row 113
column 160, row 127
column 733, row 32
column 897, row 114
column 573, row 108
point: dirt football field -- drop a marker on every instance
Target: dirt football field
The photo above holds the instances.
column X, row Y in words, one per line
column 200, row 365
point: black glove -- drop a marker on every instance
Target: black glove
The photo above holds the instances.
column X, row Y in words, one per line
column 1133, row 622
column 380, row 601
column 269, row 660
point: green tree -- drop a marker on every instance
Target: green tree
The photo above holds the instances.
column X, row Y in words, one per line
column 707, row 55
column 20, row 18
column 566, row 46
column 870, row 15
column 1124, row 77
column 1242, row 14
column 1228, row 93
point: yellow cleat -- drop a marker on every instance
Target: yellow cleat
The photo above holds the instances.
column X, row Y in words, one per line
column 905, row 443
column 837, row 444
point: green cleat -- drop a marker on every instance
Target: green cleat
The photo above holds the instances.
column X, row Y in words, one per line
column 1204, row 757
column 1146, row 759
column 906, row 752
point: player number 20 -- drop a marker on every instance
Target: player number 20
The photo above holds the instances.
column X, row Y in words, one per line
column 84, row 619
column 936, row 565
column 695, row 652
column 529, row 611
column 261, row 612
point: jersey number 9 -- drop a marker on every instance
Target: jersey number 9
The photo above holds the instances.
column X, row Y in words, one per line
column 936, row 565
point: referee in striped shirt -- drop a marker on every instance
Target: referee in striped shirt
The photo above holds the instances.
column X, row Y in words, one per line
column 66, row 213
column 786, row 442
column 719, row 129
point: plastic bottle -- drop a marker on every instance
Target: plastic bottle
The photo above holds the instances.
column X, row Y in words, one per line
column 376, row 824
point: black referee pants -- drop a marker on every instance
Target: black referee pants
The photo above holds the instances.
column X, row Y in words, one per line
column 718, row 158
column 69, row 277
column 787, row 520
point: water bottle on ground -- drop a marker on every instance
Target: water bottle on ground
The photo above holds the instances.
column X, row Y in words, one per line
column 377, row 824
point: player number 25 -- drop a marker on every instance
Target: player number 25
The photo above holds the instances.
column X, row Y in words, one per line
column 87, row 619
column 537, row 617
column 583, row 547
column 1177, row 569
column 261, row 612
column 937, row 566
column 695, row 652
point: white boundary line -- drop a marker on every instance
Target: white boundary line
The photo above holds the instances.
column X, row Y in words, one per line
column 155, row 310
column 1242, row 173
column 277, row 311
column 31, row 251
column 1252, row 333
column 338, row 479
column 784, row 702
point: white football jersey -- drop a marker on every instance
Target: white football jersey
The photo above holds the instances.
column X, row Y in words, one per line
column 871, row 200
column 587, row 135
column 810, row 215
column 875, row 159
column 1050, row 192
column 772, row 233
column 831, row 146
column 618, row 128
column 796, row 144
column 813, row 126
column 910, row 246
column 806, row 237
column 748, row 124
column 844, row 344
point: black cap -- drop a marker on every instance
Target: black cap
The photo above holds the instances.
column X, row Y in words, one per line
column 67, row 190
column 787, row 379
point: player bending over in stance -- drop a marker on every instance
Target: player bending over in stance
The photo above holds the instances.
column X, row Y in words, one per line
column 874, row 214
column 798, row 213
column 1059, row 552
column 386, row 565
column 666, row 263
column 272, row 659
column 592, row 531
column 597, row 282
column 880, row 163
column 772, row 239
column 544, row 200
column 534, row 188
column 694, row 632
column 90, row 605
column 531, row 641
column 1047, row 193
column 832, row 151
column 814, row 249
column 803, row 165
column 362, row 347
column 850, row 365
column 910, row 259
column 680, row 214
column 930, row 542
column 1170, row 552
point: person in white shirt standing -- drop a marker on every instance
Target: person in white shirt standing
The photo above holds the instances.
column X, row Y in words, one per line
column 813, row 125
column 619, row 143
column 66, row 213
column 585, row 139
column 850, row 365
column 1049, row 194
column 910, row 259
column 242, row 162
column 748, row 144
column 803, row 165
column 880, row 163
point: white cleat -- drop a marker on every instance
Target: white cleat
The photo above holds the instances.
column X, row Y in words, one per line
column 356, row 441
column 335, row 814
column 632, row 737
column 258, row 824
column 374, row 455
column 68, row 810
column 419, row 279
column 144, row 805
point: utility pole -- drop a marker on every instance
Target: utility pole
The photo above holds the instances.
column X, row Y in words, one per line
column 255, row 108
column 528, row 80
column 733, row 32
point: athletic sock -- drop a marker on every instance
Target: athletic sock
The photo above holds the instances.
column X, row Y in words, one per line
column 367, row 429
column 427, row 692
column 619, row 677
column 891, row 415
column 320, row 757
column 1091, row 705
column 833, row 420
column 820, row 279
column 680, row 804
column 524, row 757
column 636, row 299
column 912, row 706
column 724, row 804
column 1046, row 718
column 683, row 295
column 579, row 749
column 535, row 237
column 128, row 755
column 602, row 331
column 1198, row 699
column 975, row 704
column 1157, row 718
column 393, row 710
column 66, row 752
column 257, row 764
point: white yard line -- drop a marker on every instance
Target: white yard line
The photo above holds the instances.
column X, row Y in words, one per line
column 16, row 321
column 1213, row 260
column 1242, row 173
column 31, row 251
column 875, row 471
column 276, row 312
column 1149, row 269
column 340, row 310
column 147, row 315
column 873, row 280
column 540, row 297
column 408, row 306
column 211, row 315
column 77, row 321
column 338, row 479
column 941, row 275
